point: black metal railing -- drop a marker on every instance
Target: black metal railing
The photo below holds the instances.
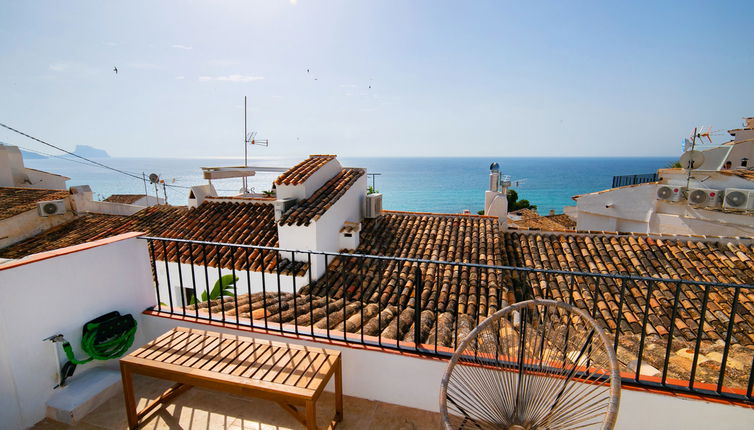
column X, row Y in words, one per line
column 622, row 181
column 680, row 335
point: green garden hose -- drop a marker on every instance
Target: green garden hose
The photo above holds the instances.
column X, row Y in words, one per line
column 103, row 338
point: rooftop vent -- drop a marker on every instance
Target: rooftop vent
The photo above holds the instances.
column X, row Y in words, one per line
column 706, row 198
column 374, row 206
column 282, row 205
column 670, row 193
column 51, row 207
column 739, row 199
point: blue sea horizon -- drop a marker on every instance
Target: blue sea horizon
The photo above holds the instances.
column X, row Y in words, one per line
column 423, row 184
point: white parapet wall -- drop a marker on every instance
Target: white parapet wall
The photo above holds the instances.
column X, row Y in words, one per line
column 415, row 382
column 56, row 293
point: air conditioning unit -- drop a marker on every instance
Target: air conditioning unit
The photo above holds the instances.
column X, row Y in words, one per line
column 670, row 193
column 738, row 199
column 282, row 205
column 51, row 207
column 705, row 198
column 374, row 206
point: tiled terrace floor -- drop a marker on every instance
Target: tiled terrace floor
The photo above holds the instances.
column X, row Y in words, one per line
column 209, row 410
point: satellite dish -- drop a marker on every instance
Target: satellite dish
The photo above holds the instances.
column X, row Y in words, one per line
column 154, row 178
column 692, row 160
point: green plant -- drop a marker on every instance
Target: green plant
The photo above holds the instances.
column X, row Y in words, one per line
column 268, row 193
column 222, row 288
column 676, row 165
column 515, row 204
column 372, row 190
column 480, row 212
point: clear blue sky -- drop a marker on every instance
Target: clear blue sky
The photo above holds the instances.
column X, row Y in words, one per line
column 448, row 78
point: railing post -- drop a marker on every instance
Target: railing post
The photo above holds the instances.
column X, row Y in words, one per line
column 417, row 305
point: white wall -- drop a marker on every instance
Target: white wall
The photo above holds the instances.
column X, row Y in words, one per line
column 415, row 382
column 29, row 223
column 180, row 274
column 45, row 180
column 324, row 233
column 637, row 209
column 14, row 174
column 84, row 205
column 59, row 295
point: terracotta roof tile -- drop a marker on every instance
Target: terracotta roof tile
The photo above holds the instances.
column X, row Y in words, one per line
column 125, row 198
column 476, row 292
column 741, row 173
column 532, row 221
column 14, row 201
column 642, row 256
column 314, row 207
column 228, row 222
column 303, row 170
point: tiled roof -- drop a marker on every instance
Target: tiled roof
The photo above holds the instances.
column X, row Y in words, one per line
column 226, row 222
column 457, row 238
column 642, row 256
column 311, row 209
column 530, row 220
column 14, row 201
column 741, row 173
column 303, row 170
column 91, row 227
column 350, row 227
column 239, row 223
column 444, row 331
column 125, row 198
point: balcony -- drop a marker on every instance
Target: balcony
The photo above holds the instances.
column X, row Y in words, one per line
column 395, row 346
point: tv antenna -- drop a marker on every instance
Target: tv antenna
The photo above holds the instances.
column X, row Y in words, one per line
column 249, row 138
column 693, row 159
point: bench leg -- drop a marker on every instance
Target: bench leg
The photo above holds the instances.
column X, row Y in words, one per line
column 339, row 391
column 128, row 393
column 311, row 415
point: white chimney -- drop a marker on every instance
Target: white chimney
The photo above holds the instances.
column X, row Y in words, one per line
column 496, row 199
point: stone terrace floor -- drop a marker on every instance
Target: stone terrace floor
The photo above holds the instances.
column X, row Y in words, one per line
column 209, row 410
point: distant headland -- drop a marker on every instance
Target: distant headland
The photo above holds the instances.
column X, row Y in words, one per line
column 90, row 151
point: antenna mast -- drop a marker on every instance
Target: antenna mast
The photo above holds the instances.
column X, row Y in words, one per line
column 245, row 146
column 691, row 163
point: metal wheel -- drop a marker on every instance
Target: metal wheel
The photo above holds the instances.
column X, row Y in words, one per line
column 537, row 364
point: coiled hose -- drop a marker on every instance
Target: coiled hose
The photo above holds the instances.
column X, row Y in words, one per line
column 103, row 338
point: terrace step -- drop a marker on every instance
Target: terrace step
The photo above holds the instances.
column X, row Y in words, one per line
column 84, row 393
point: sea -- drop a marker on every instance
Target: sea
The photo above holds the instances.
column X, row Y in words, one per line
column 445, row 185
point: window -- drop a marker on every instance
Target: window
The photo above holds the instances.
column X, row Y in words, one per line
column 744, row 162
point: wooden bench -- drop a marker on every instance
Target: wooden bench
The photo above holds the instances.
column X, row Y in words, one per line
column 291, row 375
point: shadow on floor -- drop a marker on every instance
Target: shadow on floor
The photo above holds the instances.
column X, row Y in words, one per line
column 200, row 409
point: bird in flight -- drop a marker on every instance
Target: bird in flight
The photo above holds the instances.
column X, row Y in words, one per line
column 115, row 69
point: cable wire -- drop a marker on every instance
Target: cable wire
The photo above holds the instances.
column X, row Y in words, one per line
column 133, row 175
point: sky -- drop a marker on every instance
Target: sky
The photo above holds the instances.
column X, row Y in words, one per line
column 375, row 78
